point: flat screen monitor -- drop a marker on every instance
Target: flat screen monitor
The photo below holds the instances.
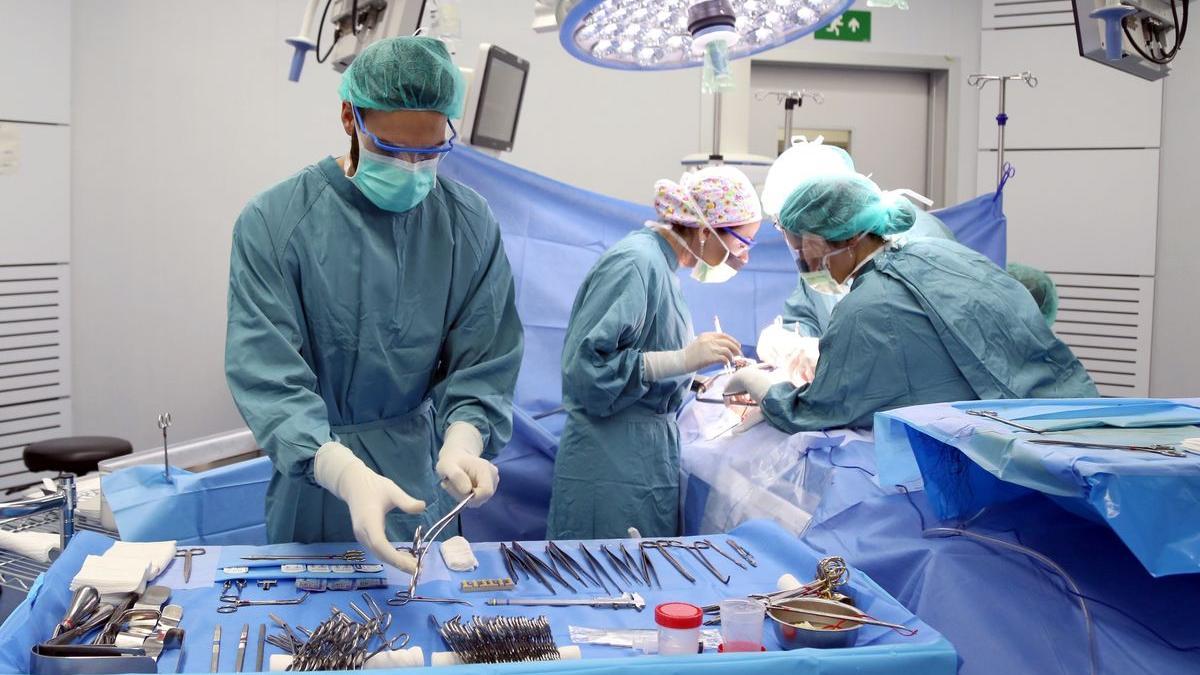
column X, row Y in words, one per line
column 500, row 83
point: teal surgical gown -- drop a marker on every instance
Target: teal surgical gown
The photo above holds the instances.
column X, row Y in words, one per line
column 374, row 328
column 928, row 322
column 808, row 311
column 618, row 460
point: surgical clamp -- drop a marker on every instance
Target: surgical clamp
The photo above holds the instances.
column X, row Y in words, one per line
column 742, row 552
column 623, row 601
column 728, row 557
column 697, row 550
column 662, row 546
column 420, row 545
column 234, row 604
column 352, row 555
column 1158, row 449
column 995, row 417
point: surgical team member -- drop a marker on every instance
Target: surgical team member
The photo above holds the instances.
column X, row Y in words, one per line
column 925, row 321
column 372, row 318
column 629, row 357
column 805, row 311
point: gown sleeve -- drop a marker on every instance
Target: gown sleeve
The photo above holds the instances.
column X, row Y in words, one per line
column 602, row 364
column 273, row 386
column 861, row 370
column 481, row 352
column 807, row 310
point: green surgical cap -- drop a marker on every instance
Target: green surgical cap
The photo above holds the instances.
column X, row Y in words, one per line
column 842, row 206
column 1040, row 286
column 405, row 73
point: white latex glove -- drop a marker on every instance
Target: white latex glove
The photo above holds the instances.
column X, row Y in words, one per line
column 370, row 498
column 754, row 382
column 461, row 467
column 708, row 349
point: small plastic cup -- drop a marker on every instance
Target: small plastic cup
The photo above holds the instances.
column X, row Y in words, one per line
column 742, row 625
column 678, row 628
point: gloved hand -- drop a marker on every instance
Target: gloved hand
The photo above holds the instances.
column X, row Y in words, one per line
column 461, row 467
column 709, row 349
column 801, row 369
column 754, row 382
column 370, row 498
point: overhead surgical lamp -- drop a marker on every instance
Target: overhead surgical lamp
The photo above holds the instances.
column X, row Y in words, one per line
column 669, row 34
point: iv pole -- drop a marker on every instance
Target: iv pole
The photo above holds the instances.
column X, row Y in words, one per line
column 790, row 100
column 980, row 81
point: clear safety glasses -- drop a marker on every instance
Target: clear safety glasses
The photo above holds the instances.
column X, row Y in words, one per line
column 416, row 154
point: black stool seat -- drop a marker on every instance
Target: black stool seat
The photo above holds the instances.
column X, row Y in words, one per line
column 73, row 454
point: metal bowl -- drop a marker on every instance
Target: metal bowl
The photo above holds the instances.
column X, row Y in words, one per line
column 792, row 635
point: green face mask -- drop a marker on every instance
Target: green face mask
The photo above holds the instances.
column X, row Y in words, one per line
column 391, row 183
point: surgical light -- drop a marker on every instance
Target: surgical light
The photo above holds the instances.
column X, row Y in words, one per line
column 668, row 34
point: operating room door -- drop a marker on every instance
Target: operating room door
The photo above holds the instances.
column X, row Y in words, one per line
column 882, row 115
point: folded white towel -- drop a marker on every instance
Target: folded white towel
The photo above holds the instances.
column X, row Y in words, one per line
column 40, row 546
column 113, row 575
column 157, row 554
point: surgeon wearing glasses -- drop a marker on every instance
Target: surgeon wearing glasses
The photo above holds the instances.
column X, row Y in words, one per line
column 629, row 356
column 923, row 321
column 373, row 340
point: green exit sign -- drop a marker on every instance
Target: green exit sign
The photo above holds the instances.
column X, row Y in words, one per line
column 853, row 26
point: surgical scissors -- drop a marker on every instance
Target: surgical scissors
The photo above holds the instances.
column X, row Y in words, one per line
column 187, row 554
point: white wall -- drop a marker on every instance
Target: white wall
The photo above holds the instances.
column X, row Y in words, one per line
column 1175, row 361
column 182, row 112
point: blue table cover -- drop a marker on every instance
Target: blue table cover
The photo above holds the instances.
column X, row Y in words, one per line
column 1150, row 501
column 879, row 650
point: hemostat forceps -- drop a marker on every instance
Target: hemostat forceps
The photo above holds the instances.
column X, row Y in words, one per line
column 420, row 546
column 1157, row 449
column 995, row 417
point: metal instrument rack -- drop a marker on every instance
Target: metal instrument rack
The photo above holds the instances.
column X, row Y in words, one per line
column 17, row 572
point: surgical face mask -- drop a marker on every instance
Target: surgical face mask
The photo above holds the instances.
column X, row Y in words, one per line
column 391, row 183
column 823, row 282
column 714, row 274
column 703, row 272
column 818, row 277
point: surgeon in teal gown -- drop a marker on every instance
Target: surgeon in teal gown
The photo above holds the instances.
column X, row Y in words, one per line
column 373, row 342
column 808, row 311
column 629, row 356
column 924, row 321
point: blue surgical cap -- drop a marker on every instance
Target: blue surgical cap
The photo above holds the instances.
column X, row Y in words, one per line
column 405, row 73
column 842, row 206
